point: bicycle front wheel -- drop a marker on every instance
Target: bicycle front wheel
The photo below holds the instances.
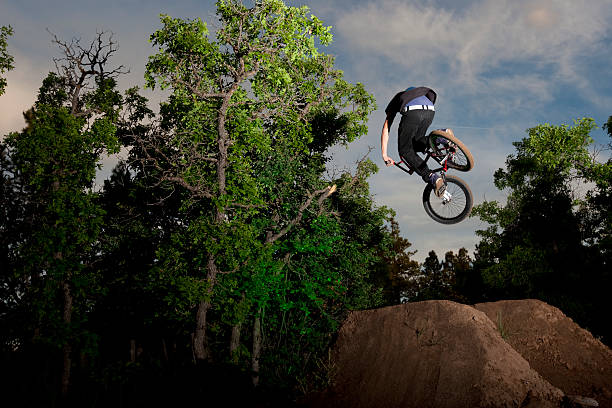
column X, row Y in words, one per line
column 459, row 157
column 454, row 206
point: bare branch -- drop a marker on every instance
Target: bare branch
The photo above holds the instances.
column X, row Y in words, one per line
column 324, row 196
column 324, row 193
column 199, row 192
column 80, row 63
column 170, row 172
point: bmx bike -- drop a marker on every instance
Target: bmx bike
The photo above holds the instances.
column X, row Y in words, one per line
column 449, row 152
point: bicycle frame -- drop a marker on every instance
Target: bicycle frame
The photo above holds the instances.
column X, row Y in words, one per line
column 446, row 197
column 456, row 201
column 428, row 155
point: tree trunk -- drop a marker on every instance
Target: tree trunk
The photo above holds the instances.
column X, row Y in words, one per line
column 257, row 339
column 165, row 351
column 235, row 340
column 200, row 345
column 133, row 350
column 193, row 356
column 67, row 349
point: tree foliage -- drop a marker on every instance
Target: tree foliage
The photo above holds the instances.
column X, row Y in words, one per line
column 223, row 253
column 548, row 240
column 221, row 239
column 6, row 60
column 48, row 169
column 448, row 279
column 244, row 133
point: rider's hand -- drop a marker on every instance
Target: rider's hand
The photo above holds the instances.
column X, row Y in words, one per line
column 388, row 161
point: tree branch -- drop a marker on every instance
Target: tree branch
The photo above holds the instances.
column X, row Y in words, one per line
column 79, row 63
column 323, row 194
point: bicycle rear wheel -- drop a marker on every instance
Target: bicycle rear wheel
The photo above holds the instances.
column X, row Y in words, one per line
column 459, row 157
column 449, row 210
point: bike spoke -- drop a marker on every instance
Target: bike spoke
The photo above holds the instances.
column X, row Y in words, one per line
column 447, row 151
column 456, row 156
column 450, row 209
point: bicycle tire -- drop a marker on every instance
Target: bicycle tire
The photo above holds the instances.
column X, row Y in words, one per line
column 460, row 157
column 454, row 211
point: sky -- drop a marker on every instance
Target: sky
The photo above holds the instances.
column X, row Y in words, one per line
column 499, row 67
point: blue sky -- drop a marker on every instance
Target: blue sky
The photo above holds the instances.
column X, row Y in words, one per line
column 499, row 67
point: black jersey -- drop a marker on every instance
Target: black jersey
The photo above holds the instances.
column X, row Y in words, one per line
column 402, row 98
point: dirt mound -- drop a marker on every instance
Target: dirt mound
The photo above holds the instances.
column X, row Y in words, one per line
column 444, row 354
column 566, row 355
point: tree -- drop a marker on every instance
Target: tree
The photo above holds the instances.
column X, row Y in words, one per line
column 539, row 243
column 242, row 107
column 398, row 267
column 223, row 238
column 456, row 271
column 597, row 212
column 6, row 60
column 55, row 159
column 435, row 279
column 323, row 269
column 608, row 126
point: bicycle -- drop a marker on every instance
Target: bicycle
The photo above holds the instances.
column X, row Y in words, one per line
column 456, row 202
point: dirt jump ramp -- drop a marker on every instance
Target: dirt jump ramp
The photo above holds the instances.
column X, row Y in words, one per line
column 444, row 354
column 566, row 355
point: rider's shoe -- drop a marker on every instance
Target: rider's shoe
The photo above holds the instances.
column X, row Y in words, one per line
column 438, row 183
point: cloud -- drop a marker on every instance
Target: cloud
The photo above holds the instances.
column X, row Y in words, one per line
column 20, row 94
column 480, row 48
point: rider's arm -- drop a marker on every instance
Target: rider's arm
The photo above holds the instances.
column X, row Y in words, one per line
column 392, row 109
column 384, row 141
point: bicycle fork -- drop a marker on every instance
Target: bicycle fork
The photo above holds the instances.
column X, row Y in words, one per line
column 446, row 196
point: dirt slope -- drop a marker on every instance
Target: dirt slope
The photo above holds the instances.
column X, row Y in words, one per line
column 444, row 354
column 564, row 354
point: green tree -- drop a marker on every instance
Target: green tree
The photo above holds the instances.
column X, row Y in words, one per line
column 456, row 269
column 438, row 280
column 597, row 212
column 55, row 160
column 222, row 238
column 539, row 243
column 425, row 281
column 240, row 125
column 608, row 126
column 6, row 60
column 468, row 282
column 398, row 267
column 433, row 283
column 325, row 268
column 435, row 279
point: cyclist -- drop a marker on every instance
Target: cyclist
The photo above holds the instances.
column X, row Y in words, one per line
column 416, row 105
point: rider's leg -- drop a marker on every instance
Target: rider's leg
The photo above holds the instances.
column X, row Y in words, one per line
column 434, row 179
column 412, row 139
column 412, row 129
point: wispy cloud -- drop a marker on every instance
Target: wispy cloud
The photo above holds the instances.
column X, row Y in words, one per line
column 481, row 47
column 499, row 66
